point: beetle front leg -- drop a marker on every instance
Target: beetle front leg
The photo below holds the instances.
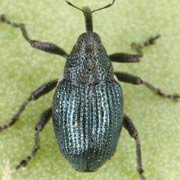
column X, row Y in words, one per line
column 129, row 126
column 131, row 58
column 124, row 58
column 139, row 47
column 44, row 46
column 42, row 90
column 128, row 78
column 46, row 115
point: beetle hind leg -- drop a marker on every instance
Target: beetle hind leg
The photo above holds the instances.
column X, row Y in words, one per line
column 129, row 126
column 46, row 115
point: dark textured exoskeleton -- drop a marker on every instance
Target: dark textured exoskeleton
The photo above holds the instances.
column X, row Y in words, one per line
column 87, row 106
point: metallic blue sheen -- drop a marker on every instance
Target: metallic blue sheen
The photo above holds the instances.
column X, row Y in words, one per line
column 87, row 122
column 88, row 106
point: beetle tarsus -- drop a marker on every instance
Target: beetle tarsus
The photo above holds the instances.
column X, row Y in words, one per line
column 44, row 46
column 139, row 47
column 23, row 163
column 129, row 126
column 2, row 18
column 46, row 115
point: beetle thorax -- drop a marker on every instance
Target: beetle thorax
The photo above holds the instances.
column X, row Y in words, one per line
column 88, row 61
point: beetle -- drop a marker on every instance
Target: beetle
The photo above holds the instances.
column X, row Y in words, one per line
column 87, row 108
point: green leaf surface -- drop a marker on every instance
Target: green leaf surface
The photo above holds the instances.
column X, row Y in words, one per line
column 23, row 69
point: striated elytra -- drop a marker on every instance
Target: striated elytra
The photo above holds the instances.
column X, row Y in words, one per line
column 87, row 108
column 87, row 122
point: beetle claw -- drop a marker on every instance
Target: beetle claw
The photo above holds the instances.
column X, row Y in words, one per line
column 22, row 163
column 2, row 18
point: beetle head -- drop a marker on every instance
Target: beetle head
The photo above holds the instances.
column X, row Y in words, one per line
column 88, row 61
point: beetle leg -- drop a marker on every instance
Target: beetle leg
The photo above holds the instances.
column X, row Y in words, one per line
column 139, row 47
column 129, row 126
column 131, row 58
column 46, row 115
column 44, row 46
column 42, row 90
column 124, row 57
column 128, row 78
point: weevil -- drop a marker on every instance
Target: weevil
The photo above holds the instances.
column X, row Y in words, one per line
column 87, row 108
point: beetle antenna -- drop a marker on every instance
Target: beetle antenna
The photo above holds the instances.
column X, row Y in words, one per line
column 73, row 5
column 88, row 14
column 107, row 6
